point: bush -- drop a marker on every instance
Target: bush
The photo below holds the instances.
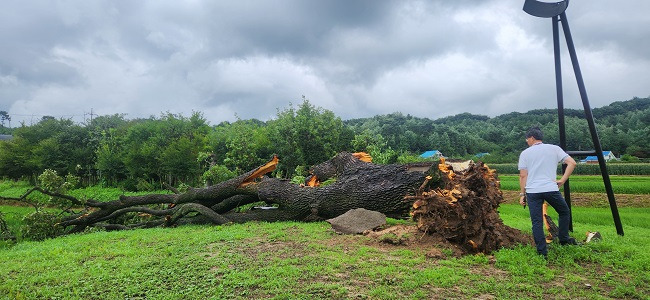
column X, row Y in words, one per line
column 630, row 158
column 384, row 157
column 217, row 173
column 40, row 225
column 298, row 179
column 52, row 182
column 406, row 158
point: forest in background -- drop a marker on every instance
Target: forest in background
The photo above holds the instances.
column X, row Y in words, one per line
column 143, row 154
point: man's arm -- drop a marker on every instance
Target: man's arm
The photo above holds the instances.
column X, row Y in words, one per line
column 523, row 176
column 570, row 166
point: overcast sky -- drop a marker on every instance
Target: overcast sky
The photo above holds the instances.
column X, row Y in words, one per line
column 247, row 59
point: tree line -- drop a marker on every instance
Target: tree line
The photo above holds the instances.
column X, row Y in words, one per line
column 143, row 154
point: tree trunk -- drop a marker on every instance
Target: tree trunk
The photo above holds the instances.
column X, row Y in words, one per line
column 358, row 184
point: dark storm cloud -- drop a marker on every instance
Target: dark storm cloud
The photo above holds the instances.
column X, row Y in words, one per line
column 356, row 58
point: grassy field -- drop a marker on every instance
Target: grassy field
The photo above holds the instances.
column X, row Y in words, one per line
column 592, row 184
column 292, row 260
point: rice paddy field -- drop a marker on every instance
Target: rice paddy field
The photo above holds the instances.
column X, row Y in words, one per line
column 592, row 184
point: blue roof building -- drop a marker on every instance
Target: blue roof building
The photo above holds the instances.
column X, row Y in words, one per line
column 431, row 154
column 608, row 155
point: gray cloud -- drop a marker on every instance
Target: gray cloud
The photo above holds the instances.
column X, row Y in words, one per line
column 356, row 58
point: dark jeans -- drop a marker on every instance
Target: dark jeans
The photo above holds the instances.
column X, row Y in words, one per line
column 535, row 202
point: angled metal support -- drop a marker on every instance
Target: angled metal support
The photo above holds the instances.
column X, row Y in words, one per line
column 556, row 11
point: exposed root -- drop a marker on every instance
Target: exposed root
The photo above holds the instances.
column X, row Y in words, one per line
column 464, row 210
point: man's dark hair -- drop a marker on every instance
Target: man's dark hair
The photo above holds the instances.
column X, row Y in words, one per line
column 535, row 132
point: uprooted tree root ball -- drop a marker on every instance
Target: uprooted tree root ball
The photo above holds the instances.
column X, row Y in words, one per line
column 462, row 208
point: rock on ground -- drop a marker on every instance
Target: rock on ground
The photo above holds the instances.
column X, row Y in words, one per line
column 356, row 221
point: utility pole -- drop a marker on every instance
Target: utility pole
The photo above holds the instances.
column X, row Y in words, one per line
column 91, row 115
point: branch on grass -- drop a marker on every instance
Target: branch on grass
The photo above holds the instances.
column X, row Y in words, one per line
column 148, row 224
column 23, row 198
column 74, row 200
column 110, row 227
column 145, row 210
column 187, row 208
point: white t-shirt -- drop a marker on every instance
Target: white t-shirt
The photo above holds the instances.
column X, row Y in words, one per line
column 541, row 162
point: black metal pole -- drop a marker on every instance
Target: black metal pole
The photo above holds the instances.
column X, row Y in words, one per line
column 560, row 109
column 592, row 125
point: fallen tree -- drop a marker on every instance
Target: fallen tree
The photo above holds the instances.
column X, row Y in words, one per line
column 394, row 190
column 359, row 184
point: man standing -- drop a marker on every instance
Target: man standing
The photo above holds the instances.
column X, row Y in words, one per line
column 537, row 183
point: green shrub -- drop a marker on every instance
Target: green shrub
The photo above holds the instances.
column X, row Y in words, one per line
column 630, row 158
column 217, row 173
column 52, row 182
column 406, row 158
column 40, row 225
column 298, row 179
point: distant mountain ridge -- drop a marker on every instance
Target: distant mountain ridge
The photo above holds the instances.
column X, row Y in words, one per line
column 623, row 128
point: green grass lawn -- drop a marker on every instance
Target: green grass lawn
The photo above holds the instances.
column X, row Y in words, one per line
column 592, row 184
column 291, row 260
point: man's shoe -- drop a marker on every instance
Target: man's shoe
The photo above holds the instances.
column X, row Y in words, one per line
column 570, row 241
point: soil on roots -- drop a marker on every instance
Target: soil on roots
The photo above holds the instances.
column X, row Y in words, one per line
column 463, row 210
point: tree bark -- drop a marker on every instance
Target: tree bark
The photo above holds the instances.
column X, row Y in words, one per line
column 358, row 184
